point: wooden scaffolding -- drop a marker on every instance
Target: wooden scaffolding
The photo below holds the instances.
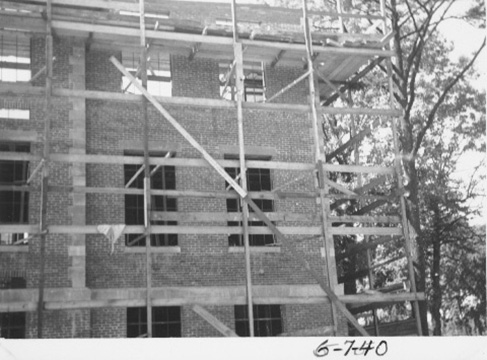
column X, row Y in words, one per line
column 329, row 60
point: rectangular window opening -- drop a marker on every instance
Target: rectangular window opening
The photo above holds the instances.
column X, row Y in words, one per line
column 12, row 324
column 166, row 322
column 267, row 320
column 159, row 81
column 14, row 114
column 14, row 204
column 253, row 83
column 257, row 180
column 162, row 178
column 15, row 58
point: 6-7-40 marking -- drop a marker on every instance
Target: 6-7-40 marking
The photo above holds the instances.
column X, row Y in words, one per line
column 351, row 347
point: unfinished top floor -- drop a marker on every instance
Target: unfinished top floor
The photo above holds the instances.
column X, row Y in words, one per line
column 271, row 37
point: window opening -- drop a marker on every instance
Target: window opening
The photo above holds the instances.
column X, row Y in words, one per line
column 159, row 82
column 166, row 321
column 253, row 84
column 14, row 58
column 162, row 178
column 13, row 324
column 257, row 180
column 267, row 320
column 14, row 204
column 14, row 114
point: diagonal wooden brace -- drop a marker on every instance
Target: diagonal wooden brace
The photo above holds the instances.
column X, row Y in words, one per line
column 244, row 195
column 213, row 321
column 286, row 88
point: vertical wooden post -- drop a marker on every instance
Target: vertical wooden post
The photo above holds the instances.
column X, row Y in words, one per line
column 239, row 84
column 320, row 183
column 405, row 221
column 361, row 204
column 45, row 168
column 340, row 18
column 147, row 186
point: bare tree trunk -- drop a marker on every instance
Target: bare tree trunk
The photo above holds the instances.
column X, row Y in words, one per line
column 435, row 273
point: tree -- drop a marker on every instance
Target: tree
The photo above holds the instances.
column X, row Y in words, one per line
column 430, row 88
column 444, row 217
column 464, row 302
column 415, row 24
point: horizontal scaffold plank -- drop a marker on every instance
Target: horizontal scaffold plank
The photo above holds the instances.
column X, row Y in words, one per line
column 225, row 216
column 366, row 230
column 358, row 169
column 115, row 30
column 26, row 89
column 139, row 160
column 365, row 219
column 69, row 298
column 173, row 193
column 155, row 7
column 360, row 196
column 162, row 229
column 320, row 50
column 320, row 331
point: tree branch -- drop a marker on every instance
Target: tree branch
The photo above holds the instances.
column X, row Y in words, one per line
column 439, row 102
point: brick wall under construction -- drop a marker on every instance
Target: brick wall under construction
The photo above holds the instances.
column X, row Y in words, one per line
column 112, row 128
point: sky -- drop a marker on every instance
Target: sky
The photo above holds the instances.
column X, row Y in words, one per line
column 466, row 39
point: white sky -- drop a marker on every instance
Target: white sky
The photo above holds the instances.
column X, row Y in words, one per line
column 467, row 39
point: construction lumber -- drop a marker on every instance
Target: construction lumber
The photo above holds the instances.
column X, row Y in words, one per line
column 339, row 187
column 359, row 169
column 320, row 331
column 225, row 216
column 146, row 169
column 320, row 183
column 45, row 172
column 239, row 84
column 289, row 86
column 348, row 230
column 401, row 287
column 396, row 328
column 372, row 206
column 213, row 321
column 365, row 219
column 85, row 28
column 69, row 298
column 162, row 229
column 164, row 8
column 277, row 58
column 361, row 197
column 320, row 50
column 138, row 160
column 362, row 190
column 174, row 193
column 330, row 84
column 16, row 89
column 355, row 139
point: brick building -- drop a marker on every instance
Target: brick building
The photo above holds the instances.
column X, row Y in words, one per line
column 63, row 185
